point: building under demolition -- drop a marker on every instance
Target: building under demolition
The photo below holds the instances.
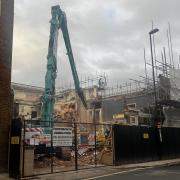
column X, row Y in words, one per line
column 78, row 135
column 27, row 103
column 27, row 100
column 131, row 104
column 112, row 116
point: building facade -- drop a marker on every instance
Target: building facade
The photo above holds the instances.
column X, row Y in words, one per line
column 27, row 103
column 68, row 107
column 128, row 110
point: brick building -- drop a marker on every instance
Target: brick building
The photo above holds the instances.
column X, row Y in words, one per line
column 6, row 36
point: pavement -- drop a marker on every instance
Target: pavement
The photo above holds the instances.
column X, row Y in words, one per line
column 101, row 171
column 4, row 176
column 158, row 173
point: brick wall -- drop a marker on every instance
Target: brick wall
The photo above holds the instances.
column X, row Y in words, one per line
column 6, row 34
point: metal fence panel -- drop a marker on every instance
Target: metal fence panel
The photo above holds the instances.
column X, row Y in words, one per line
column 63, row 146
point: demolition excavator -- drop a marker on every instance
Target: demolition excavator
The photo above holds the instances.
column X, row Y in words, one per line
column 58, row 21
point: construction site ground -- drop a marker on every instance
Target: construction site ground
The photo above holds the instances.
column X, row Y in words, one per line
column 100, row 171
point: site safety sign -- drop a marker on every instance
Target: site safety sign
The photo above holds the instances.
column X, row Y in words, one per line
column 62, row 136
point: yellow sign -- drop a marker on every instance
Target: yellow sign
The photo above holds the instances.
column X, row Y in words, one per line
column 158, row 125
column 15, row 140
column 146, row 136
column 118, row 116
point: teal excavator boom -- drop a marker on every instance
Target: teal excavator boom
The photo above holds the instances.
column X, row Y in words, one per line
column 58, row 21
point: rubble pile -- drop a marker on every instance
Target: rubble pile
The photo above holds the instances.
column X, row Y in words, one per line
column 46, row 162
column 42, row 162
column 67, row 112
column 105, row 156
column 86, row 157
column 58, row 162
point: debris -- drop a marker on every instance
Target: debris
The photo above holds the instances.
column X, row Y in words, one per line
column 86, row 157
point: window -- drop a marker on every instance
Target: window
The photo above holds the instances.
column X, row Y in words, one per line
column 90, row 115
column 22, row 109
column 97, row 115
column 84, row 139
column 133, row 120
column 131, row 105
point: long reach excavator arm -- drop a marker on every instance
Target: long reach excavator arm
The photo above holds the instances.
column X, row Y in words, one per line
column 58, row 21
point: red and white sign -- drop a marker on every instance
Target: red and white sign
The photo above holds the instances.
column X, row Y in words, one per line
column 35, row 136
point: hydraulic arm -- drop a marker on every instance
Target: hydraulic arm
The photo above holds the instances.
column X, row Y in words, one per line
column 58, row 21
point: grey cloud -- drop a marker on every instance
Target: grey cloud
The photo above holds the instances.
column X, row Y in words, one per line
column 106, row 36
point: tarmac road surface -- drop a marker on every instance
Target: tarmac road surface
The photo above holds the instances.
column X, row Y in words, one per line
column 163, row 173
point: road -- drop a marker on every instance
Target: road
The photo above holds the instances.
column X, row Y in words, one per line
column 163, row 173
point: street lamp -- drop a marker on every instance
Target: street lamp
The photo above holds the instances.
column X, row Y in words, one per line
column 153, row 31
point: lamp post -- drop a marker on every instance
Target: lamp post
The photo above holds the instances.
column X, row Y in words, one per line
column 153, row 31
column 156, row 118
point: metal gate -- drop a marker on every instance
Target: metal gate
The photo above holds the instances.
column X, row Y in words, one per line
column 64, row 146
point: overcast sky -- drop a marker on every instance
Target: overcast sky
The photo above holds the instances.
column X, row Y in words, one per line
column 107, row 36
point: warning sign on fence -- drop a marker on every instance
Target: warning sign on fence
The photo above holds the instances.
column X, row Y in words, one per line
column 15, row 140
column 62, row 136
